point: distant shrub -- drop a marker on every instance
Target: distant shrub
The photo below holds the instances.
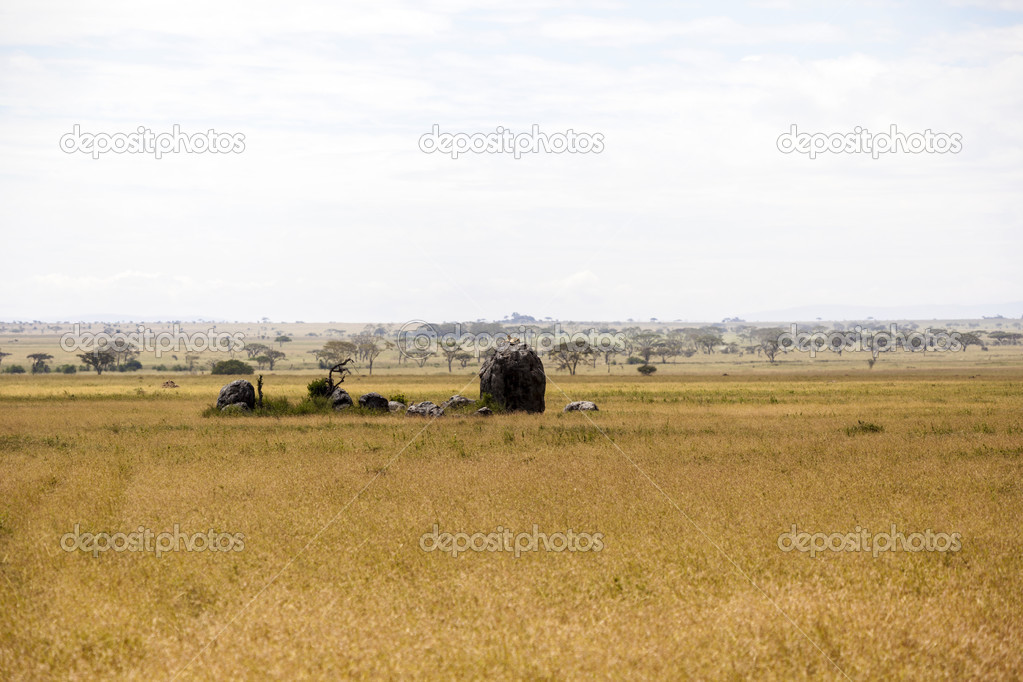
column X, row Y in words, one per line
column 399, row 398
column 279, row 407
column 863, row 427
column 160, row 368
column 646, row 370
column 487, row 400
column 232, row 367
column 130, row 366
column 65, row 369
column 319, row 388
column 179, row 368
column 13, row 369
column 633, row 360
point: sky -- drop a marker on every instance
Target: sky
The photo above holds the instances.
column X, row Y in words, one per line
column 330, row 210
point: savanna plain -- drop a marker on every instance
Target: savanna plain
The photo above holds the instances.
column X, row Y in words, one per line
column 690, row 476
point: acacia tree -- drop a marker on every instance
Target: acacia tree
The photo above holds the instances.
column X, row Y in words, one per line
column 254, row 349
column 965, row 339
column 124, row 355
column 39, row 362
column 669, row 347
column 452, row 349
column 334, row 352
column 3, row 355
column 708, row 341
column 645, row 344
column 418, row 356
column 99, row 360
column 747, row 330
column 768, row 339
column 273, row 356
column 1006, row 338
column 568, row 354
column 609, row 351
column 369, row 347
column 281, row 340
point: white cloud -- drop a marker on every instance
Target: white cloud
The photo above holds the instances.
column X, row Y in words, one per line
column 712, row 30
column 689, row 212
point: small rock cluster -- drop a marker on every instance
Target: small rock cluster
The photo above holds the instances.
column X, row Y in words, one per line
column 424, row 409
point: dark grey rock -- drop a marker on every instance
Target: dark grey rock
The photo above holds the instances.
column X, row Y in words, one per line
column 515, row 378
column 581, row 405
column 340, row 399
column 238, row 391
column 373, row 401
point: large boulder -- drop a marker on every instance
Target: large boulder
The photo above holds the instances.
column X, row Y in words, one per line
column 514, row 376
column 340, row 399
column 424, row 409
column 373, row 401
column 581, row 405
column 395, row 406
column 238, row 391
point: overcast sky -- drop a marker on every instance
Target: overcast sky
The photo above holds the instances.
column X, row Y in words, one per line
column 332, row 211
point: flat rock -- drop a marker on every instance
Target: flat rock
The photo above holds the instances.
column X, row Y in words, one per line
column 424, row 409
column 581, row 406
column 457, row 401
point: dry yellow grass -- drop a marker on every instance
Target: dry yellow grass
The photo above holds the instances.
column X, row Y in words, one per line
column 691, row 487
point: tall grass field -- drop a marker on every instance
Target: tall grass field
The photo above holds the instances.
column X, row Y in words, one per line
column 683, row 486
